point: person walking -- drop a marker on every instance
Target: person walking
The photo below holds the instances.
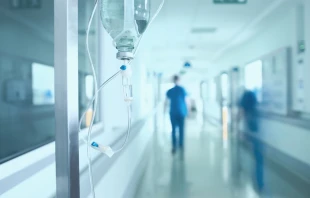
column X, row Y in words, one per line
column 177, row 97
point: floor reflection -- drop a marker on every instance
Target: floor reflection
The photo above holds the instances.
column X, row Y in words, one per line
column 214, row 164
column 178, row 183
column 259, row 165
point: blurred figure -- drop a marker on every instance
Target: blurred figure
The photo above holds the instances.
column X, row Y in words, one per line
column 248, row 110
column 178, row 111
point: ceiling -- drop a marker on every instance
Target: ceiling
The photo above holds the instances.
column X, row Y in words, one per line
column 169, row 41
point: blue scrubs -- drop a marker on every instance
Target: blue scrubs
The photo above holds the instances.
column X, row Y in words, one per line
column 178, row 112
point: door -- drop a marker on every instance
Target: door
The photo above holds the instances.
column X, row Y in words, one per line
column 234, row 96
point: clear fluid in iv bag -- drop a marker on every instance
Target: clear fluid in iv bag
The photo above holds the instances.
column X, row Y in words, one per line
column 141, row 26
column 125, row 21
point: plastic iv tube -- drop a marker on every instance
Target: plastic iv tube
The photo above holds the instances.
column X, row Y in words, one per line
column 95, row 97
column 90, row 172
column 128, row 129
column 97, row 92
column 127, row 91
column 128, row 111
column 107, row 149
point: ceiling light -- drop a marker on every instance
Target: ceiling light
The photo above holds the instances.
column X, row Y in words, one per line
column 204, row 30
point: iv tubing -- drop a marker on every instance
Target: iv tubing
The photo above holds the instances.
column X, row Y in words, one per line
column 128, row 129
column 128, row 110
column 95, row 102
column 95, row 97
column 97, row 92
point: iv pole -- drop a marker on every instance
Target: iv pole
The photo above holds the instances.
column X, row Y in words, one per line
column 66, row 98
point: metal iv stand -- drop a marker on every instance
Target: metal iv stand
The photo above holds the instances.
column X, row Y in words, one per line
column 66, row 98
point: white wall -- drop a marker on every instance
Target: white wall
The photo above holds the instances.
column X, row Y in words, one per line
column 279, row 31
column 143, row 87
column 287, row 138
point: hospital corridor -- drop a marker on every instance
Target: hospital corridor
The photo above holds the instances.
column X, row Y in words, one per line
column 154, row 99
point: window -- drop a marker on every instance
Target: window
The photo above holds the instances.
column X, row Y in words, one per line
column 253, row 74
column 27, row 116
column 26, row 78
column 43, row 92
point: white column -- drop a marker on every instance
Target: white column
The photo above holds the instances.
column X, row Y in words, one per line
column 137, row 83
column 141, row 91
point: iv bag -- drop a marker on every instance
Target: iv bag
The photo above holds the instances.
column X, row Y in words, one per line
column 125, row 21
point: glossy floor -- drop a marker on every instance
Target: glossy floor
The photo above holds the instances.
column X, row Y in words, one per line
column 214, row 164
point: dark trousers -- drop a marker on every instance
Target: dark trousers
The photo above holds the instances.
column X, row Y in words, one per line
column 177, row 121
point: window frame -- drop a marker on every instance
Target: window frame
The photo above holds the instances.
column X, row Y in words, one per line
column 15, row 159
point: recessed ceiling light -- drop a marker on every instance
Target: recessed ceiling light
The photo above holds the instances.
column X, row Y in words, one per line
column 203, row 30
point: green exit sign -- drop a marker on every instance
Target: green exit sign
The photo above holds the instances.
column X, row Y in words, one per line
column 230, row 1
